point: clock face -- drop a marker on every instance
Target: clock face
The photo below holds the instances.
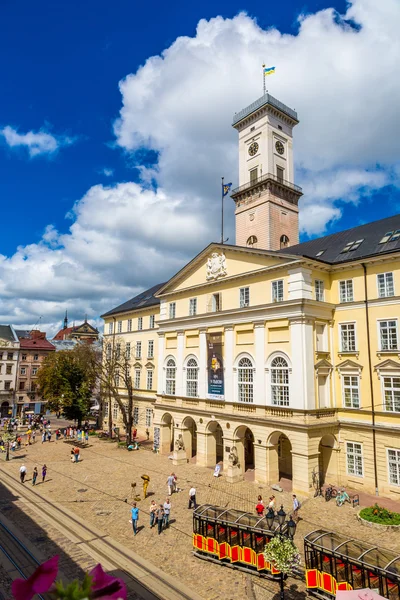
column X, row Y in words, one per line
column 280, row 148
column 253, row 149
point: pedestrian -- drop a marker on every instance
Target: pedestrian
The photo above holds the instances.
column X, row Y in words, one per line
column 167, row 512
column 260, row 506
column 65, row 433
column 33, row 436
column 192, row 497
column 147, row 433
column 71, row 433
column 49, row 435
column 87, row 436
column 19, row 440
column 44, row 473
column 79, row 435
column 271, row 503
column 72, row 454
column 174, row 488
column 43, row 437
column 34, row 476
column 153, row 509
column 134, row 433
column 296, row 508
column 22, row 473
column 170, row 483
column 135, row 517
column 160, row 518
column 76, row 452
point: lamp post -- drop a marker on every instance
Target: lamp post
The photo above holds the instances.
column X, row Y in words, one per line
column 288, row 533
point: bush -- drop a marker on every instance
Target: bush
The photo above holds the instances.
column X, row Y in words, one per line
column 377, row 514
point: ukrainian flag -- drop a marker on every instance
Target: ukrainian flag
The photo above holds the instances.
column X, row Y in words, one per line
column 269, row 70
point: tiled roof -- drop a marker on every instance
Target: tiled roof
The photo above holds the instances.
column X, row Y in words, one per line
column 366, row 240
column 143, row 300
column 37, row 344
column 63, row 332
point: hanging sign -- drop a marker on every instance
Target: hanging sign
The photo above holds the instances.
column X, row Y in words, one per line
column 215, row 367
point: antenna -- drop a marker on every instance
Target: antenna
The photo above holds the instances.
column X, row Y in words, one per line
column 37, row 322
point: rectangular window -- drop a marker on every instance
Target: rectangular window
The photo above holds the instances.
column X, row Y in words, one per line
column 216, row 302
column 137, row 378
column 150, row 349
column 192, row 307
column 118, row 351
column 346, row 290
column 280, row 173
column 354, row 459
column 391, row 394
column 23, row 357
column 10, row 356
column 351, row 391
column 152, row 321
column 149, row 415
column 36, row 357
column 129, row 325
column 277, row 291
column 110, row 327
column 108, row 351
column 388, row 335
column 319, row 290
column 7, row 385
column 138, row 353
column 22, row 385
column 172, row 310
column 117, row 378
column 106, row 409
column 244, row 297
column 385, row 285
column 23, row 370
column 119, row 327
column 320, row 333
column 149, row 383
column 253, row 175
column 136, row 415
column 34, row 370
column 140, row 323
column 128, row 350
column 115, row 410
column 394, row 466
column 9, row 370
column 348, row 337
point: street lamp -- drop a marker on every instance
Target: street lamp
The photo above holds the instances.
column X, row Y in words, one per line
column 288, row 533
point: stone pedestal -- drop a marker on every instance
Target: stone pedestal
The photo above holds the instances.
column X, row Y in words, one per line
column 233, row 474
column 179, row 457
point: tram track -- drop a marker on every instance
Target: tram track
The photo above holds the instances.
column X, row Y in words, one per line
column 144, row 579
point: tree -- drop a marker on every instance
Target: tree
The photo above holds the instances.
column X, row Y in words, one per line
column 66, row 382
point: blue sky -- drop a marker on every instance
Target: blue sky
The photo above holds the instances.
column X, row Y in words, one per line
column 64, row 62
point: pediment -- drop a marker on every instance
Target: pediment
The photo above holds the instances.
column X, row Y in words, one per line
column 387, row 365
column 219, row 262
column 149, row 365
column 85, row 328
column 323, row 366
column 349, row 365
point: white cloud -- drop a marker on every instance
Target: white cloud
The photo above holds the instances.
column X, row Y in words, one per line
column 107, row 172
column 39, row 143
column 343, row 83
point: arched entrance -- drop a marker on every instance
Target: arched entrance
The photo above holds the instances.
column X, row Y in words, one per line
column 189, row 433
column 215, row 443
column 5, row 407
column 245, row 447
column 167, row 440
column 280, row 460
column 327, row 466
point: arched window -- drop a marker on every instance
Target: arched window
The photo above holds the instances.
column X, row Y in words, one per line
column 252, row 242
column 191, row 378
column 284, row 241
column 245, row 380
column 170, row 377
column 280, row 382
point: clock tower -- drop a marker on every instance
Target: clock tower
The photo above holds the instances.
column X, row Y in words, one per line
column 267, row 214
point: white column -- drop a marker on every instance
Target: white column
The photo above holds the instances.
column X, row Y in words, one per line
column 160, row 365
column 228, row 363
column 259, row 383
column 202, row 363
column 302, row 387
column 179, row 364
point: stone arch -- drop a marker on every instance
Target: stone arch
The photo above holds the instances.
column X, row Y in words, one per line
column 215, row 443
column 328, row 444
column 167, row 433
column 5, row 406
column 279, row 465
column 244, row 441
column 189, row 434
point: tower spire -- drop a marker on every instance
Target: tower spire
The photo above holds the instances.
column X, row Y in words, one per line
column 66, row 320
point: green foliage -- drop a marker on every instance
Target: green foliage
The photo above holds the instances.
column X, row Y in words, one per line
column 74, row 590
column 377, row 514
column 283, row 554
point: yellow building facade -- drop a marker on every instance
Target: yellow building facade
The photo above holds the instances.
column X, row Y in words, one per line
column 286, row 353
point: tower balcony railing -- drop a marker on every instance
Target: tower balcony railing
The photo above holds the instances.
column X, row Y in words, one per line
column 264, row 178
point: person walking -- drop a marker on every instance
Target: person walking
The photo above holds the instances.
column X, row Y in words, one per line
column 65, row 433
column 271, row 503
column 135, row 517
column 170, row 484
column 160, row 518
column 33, row 436
column 87, row 436
column 34, row 476
column 43, row 437
column 44, row 473
column 260, row 507
column 76, row 453
column 49, row 435
column 192, row 497
column 167, row 512
column 71, row 433
column 296, row 508
column 22, row 473
column 153, row 510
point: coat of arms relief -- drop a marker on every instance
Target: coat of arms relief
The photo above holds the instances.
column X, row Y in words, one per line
column 216, row 266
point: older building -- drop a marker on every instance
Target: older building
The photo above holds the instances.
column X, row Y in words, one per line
column 9, row 350
column 288, row 353
column 80, row 333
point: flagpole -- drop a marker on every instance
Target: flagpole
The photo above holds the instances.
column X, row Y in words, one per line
column 222, row 211
column 264, row 90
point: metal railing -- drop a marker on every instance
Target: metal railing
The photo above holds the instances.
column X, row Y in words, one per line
column 254, row 182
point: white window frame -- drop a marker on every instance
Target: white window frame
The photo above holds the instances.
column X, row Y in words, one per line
column 135, row 415
column 136, row 380
column 397, row 463
column 351, row 386
column 138, row 350
column 192, row 377
column 150, row 379
column 115, row 410
column 150, row 349
column 393, row 389
column 245, row 389
column 357, row 472
column 140, row 323
column 385, row 284
column 170, row 382
column 23, row 370
column 346, row 325
column 149, row 416
column 119, row 326
column 244, row 297
column 129, row 325
column 193, row 307
column 216, row 302
column 36, row 357
column 172, row 310
column 319, row 290
column 128, row 350
column 110, row 328
column 277, row 290
column 35, row 370
column 345, row 296
column 285, row 385
column 152, row 321
column 391, row 347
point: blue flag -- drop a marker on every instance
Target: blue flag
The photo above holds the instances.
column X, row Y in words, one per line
column 226, row 189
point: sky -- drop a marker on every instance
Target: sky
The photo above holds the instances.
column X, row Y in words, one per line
column 115, row 129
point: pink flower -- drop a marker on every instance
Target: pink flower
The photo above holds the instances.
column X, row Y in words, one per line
column 38, row 583
column 105, row 586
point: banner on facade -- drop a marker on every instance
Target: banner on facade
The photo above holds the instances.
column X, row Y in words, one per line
column 215, row 367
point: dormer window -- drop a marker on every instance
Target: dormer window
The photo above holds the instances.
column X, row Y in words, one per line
column 350, row 246
column 320, row 253
column 390, row 236
column 284, row 241
column 252, row 242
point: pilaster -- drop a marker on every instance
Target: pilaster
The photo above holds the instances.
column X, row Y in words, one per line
column 180, row 384
column 161, row 358
column 228, row 363
column 302, row 388
column 202, row 363
column 259, row 342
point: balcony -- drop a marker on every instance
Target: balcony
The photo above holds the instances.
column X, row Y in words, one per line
column 264, row 179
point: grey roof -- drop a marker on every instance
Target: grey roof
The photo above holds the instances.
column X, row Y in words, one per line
column 23, row 333
column 7, row 333
column 143, row 300
column 331, row 246
column 266, row 99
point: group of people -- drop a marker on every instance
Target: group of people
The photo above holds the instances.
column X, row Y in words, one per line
column 159, row 515
column 260, row 506
column 23, row 472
